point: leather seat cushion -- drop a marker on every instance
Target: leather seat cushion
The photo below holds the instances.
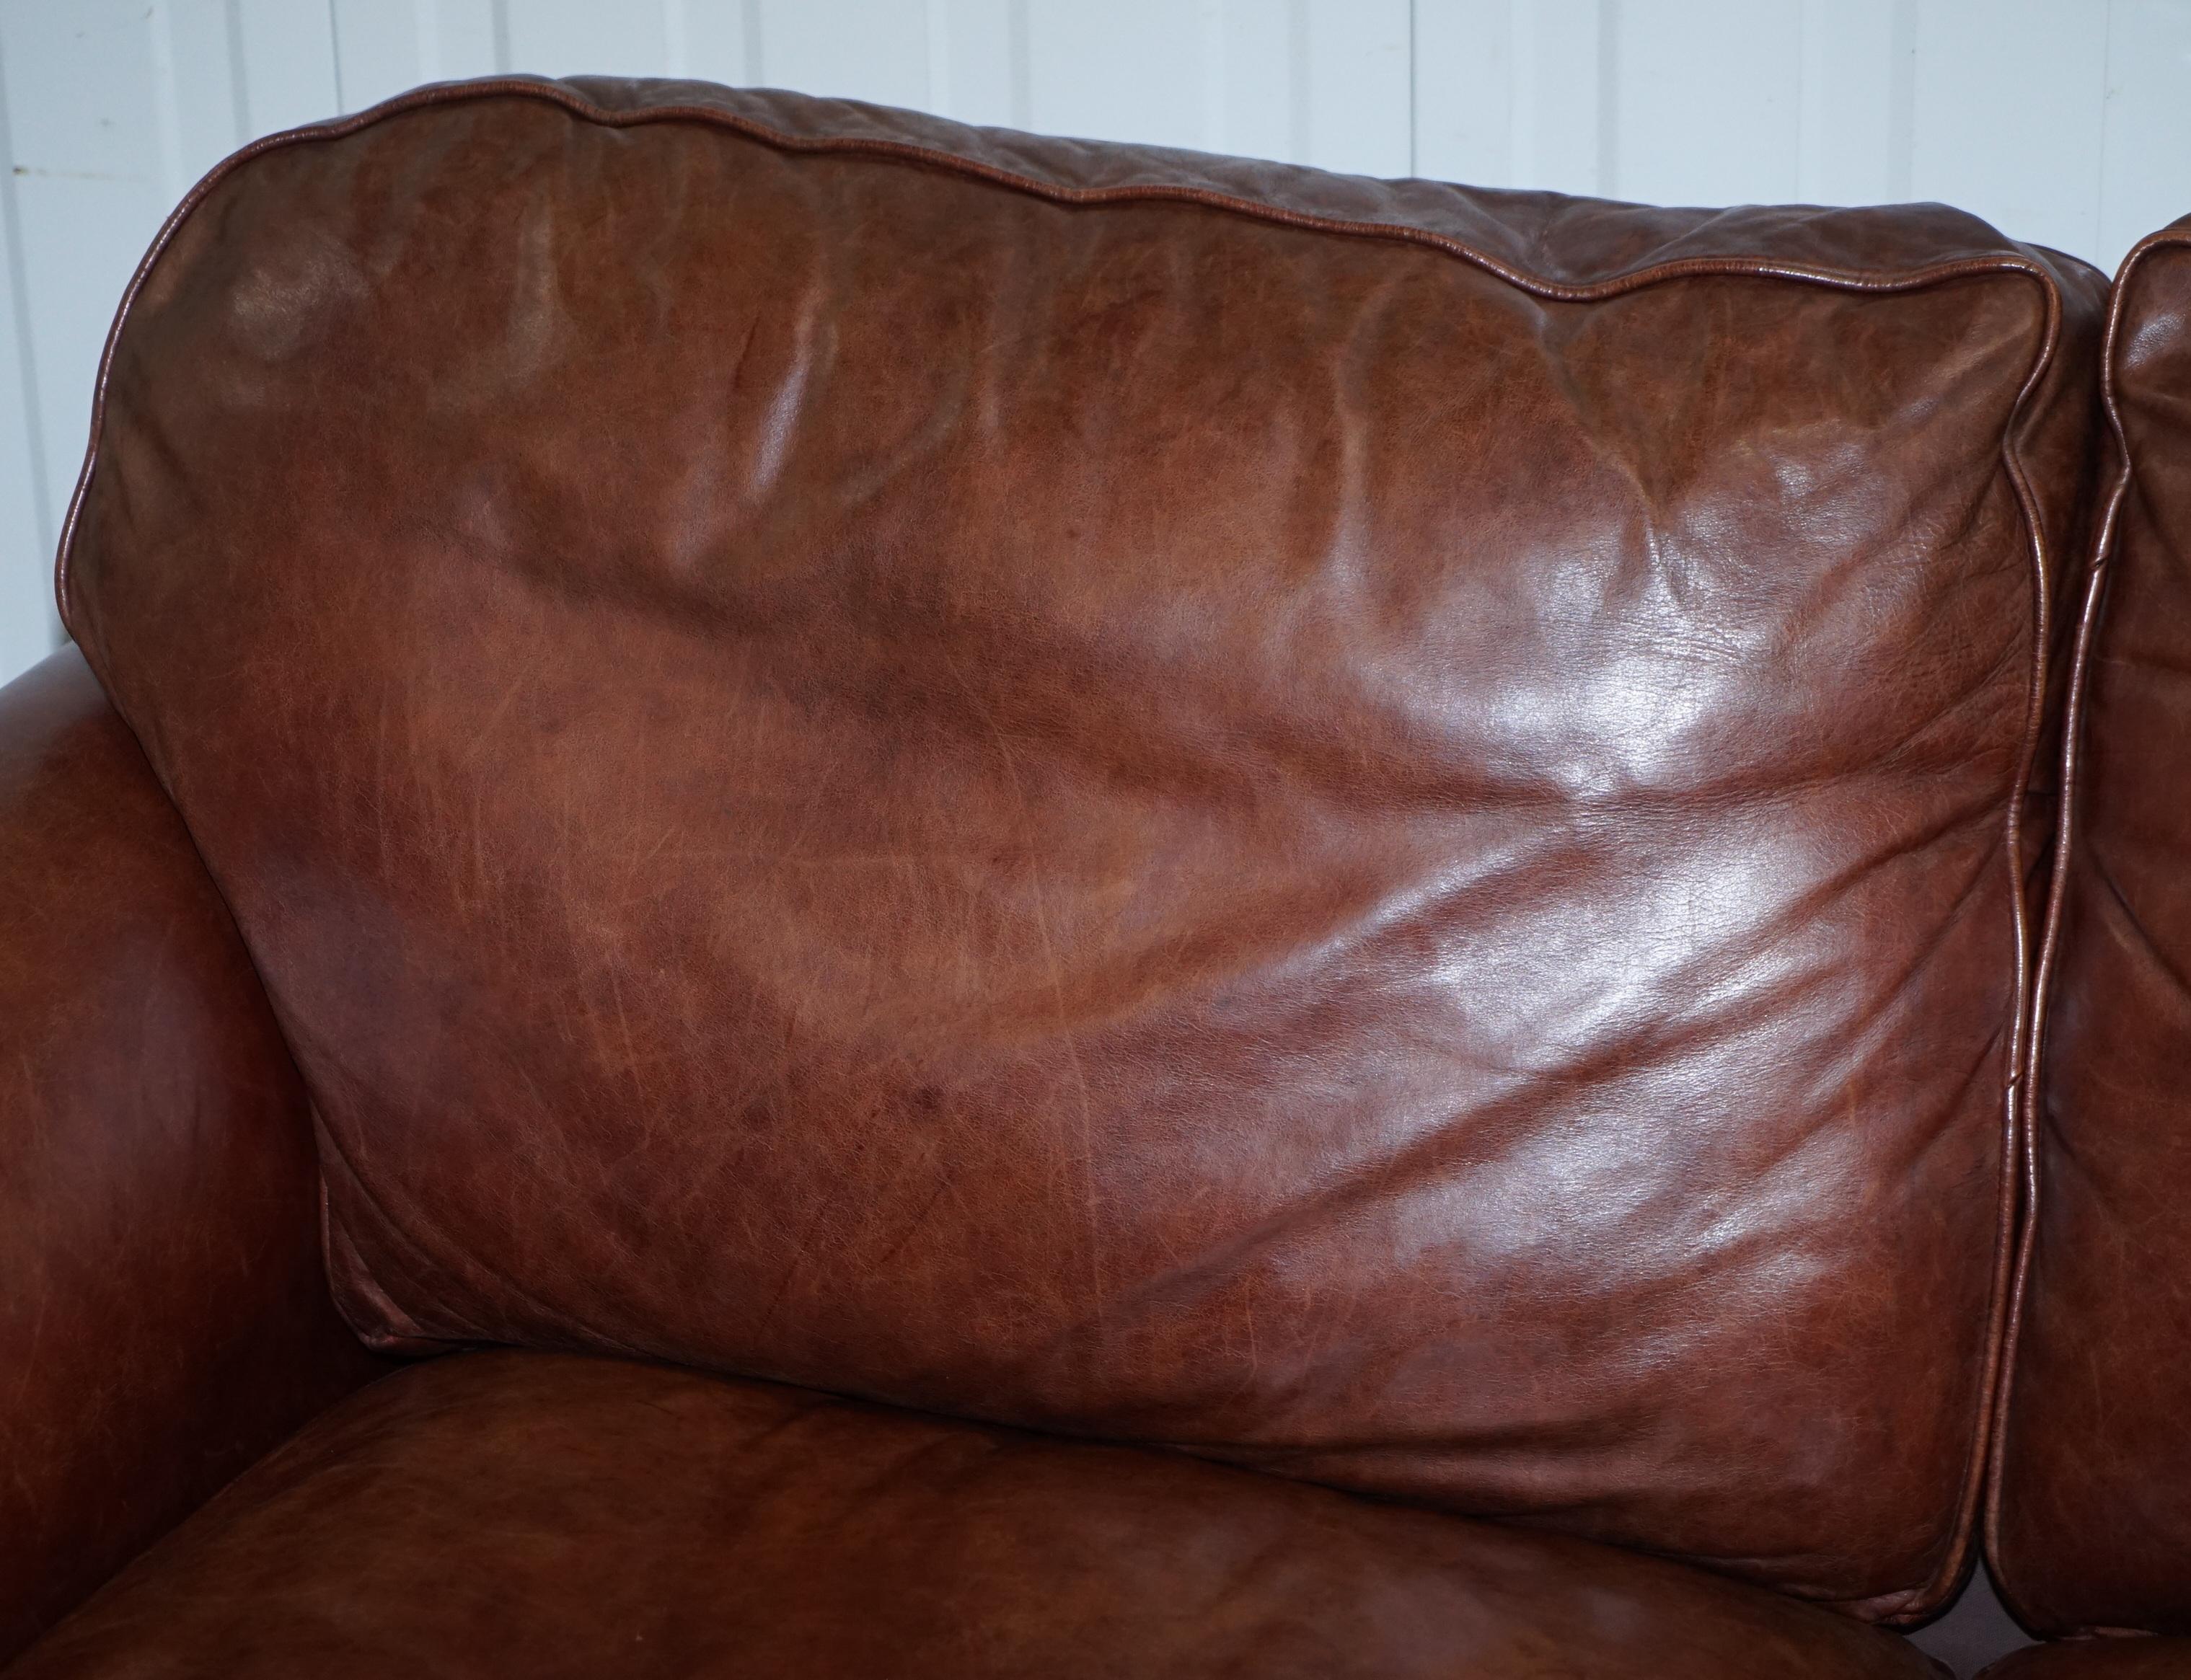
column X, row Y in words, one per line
column 547, row 1514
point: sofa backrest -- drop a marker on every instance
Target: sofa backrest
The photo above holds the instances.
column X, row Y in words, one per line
column 2092, row 1515
column 1377, row 830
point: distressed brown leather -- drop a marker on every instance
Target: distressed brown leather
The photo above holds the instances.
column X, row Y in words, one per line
column 2092, row 1517
column 1375, row 829
column 439, row 1522
column 163, row 1315
column 2098, row 1659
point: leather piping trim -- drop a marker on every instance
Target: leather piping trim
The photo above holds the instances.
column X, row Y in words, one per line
column 1908, row 1604
column 2101, row 558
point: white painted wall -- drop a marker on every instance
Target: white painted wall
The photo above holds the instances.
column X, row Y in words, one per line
column 2066, row 121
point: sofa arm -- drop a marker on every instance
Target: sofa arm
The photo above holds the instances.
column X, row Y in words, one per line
column 164, row 1316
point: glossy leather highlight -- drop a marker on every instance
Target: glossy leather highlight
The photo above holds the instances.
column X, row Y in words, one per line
column 2092, row 1524
column 499, row 1514
column 164, row 1316
column 1375, row 829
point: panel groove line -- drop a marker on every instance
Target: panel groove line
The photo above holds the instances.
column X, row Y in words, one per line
column 30, row 626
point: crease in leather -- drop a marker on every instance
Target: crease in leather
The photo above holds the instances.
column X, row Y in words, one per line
column 721, row 1526
column 411, row 1333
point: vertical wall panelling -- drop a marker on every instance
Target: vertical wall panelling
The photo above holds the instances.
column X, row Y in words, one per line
column 1352, row 86
column 381, row 47
column 201, row 103
column 2009, row 110
column 1464, row 105
column 28, row 628
column 93, row 167
column 1563, row 116
column 1329, row 82
column 862, row 50
column 567, row 38
column 1263, row 55
column 287, row 50
column 722, row 40
column 1123, row 70
column 1856, row 83
column 676, row 48
column 2145, row 160
column 462, row 37
column 1689, row 76
column 977, row 65
column 2066, row 121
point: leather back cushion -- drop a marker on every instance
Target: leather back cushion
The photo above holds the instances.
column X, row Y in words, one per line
column 1374, row 830
column 2093, row 1517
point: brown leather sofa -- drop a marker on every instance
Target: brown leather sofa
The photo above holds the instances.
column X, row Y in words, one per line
column 2092, row 1502
column 822, row 895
